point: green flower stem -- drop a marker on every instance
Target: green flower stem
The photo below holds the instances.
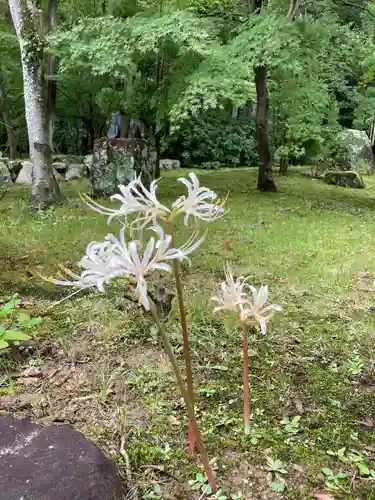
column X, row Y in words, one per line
column 185, row 395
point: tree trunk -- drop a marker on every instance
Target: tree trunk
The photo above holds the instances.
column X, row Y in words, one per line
column 12, row 143
column 124, row 125
column 44, row 189
column 265, row 175
column 51, row 83
column 284, row 163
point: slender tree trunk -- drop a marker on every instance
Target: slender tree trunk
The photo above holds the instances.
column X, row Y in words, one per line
column 265, row 174
column 51, row 83
column 44, row 189
column 12, row 143
column 124, row 125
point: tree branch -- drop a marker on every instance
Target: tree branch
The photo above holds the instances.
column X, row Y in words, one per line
column 360, row 7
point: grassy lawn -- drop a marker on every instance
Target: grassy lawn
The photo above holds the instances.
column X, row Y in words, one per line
column 105, row 372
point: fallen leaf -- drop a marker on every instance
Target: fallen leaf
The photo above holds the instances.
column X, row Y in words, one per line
column 323, row 496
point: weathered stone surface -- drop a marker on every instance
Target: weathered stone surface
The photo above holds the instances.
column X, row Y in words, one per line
column 355, row 150
column 53, row 463
column 24, row 176
column 113, row 163
column 87, row 161
column 68, row 159
column 344, row 178
column 15, row 167
column 60, row 167
column 5, row 177
column 169, row 164
column 58, row 176
column 75, row 172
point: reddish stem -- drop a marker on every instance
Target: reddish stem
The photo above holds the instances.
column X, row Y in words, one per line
column 185, row 394
column 246, row 398
column 185, row 337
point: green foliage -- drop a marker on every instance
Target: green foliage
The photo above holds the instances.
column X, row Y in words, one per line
column 13, row 322
column 365, row 112
column 214, row 139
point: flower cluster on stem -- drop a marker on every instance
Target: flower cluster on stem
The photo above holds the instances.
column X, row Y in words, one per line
column 249, row 305
column 136, row 257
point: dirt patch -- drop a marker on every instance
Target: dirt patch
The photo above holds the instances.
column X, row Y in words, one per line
column 252, row 480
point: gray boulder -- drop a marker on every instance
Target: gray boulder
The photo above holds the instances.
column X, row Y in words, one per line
column 355, row 152
column 5, row 177
column 169, row 164
column 14, row 167
column 53, row 463
column 24, row 176
column 75, row 172
column 345, row 179
column 87, row 161
column 60, row 167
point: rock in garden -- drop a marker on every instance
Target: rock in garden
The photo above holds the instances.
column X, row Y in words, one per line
column 14, row 167
column 53, row 463
column 355, row 150
column 24, row 176
column 169, row 164
column 75, row 172
column 346, row 179
column 60, row 167
column 5, row 177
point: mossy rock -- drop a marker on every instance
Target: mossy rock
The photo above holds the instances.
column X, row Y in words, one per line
column 344, row 178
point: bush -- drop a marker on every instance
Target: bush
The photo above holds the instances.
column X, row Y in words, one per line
column 212, row 140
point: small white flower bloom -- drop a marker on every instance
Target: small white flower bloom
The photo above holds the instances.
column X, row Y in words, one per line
column 99, row 267
column 233, row 293
column 115, row 258
column 199, row 202
column 134, row 199
column 154, row 257
column 258, row 309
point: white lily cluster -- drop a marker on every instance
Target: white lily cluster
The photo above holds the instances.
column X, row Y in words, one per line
column 135, row 259
column 251, row 307
column 136, row 199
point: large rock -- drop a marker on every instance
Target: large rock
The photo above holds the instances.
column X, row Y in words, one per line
column 114, row 162
column 15, row 167
column 53, row 463
column 355, row 152
column 345, row 178
column 169, row 164
column 5, row 177
column 60, row 167
column 75, row 172
column 24, row 176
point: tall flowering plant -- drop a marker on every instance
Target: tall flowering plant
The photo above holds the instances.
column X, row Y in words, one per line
column 238, row 297
column 146, row 243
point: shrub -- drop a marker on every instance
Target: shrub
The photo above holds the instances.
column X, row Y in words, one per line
column 215, row 138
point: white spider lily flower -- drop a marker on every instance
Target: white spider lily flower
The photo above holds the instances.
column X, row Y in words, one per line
column 199, row 202
column 134, row 199
column 233, row 293
column 99, row 267
column 258, row 309
column 115, row 258
column 154, row 257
